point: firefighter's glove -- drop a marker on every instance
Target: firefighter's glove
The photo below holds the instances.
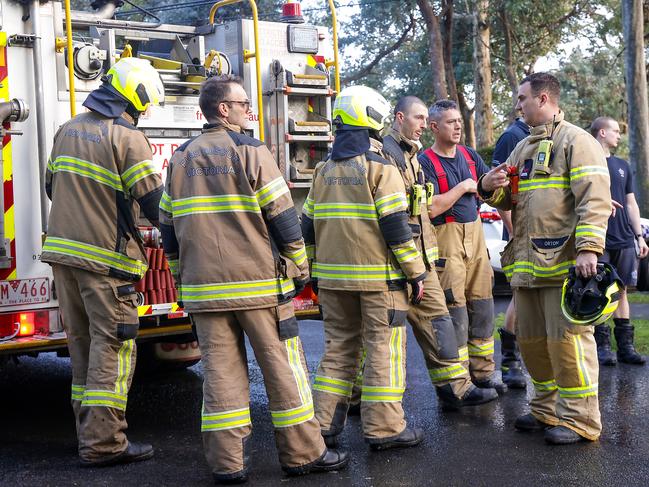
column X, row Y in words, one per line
column 300, row 284
column 417, row 288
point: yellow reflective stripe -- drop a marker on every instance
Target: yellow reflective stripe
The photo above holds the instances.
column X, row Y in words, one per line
column 356, row 272
column 333, row 386
column 407, row 253
column 360, row 211
column 87, row 169
column 394, row 201
column 271, row 191
column 50, row 166
column 310, row 251
column 308, row 207
column 463, row 354
column 165, row 202
column 545, row 386
column 137, row 172
column 291, row 417
column 299, row 374
column 77, row 392
column 361, row 369
column 432, row 254
column 586, row 391
column 298, row 256
column 215, row 204
column 382, row 394
column 124, row 366
column 234, row 290
column 396, row 357
column 446, row 373
column 525, row 267
column 590, row 230
column 104, row 399
column 543, row 183
column 234, row 418
column 173, row 265
column 582, row 368
column 481, row 350
column 582, row 171
column 93, row 253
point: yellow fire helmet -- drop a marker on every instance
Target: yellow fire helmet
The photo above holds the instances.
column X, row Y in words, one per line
column 361, row 106
column 137, row 81
column 591, row 301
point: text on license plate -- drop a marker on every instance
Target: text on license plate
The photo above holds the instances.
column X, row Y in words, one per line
column 24, row 291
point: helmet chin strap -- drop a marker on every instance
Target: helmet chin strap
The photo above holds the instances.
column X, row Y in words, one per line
column 135, row 114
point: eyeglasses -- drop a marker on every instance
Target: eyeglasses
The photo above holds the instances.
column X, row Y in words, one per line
column 246, row 103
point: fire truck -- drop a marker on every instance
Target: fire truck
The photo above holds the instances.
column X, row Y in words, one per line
column 51, row 57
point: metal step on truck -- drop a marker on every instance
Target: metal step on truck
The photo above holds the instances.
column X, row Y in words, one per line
column 51, row 57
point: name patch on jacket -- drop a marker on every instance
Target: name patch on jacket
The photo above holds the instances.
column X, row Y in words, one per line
column 229, row 154
column 549, row 243
column 83, row 135
column 349, row 163
column 211, row 171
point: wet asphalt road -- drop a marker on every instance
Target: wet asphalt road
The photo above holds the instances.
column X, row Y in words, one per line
column 476, row 446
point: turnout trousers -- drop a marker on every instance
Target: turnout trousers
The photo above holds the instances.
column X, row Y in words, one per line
column 373, row 321
column 100, row 321
column 435, row 335
column 562, row 361
column 466, row 277
column 225, row 417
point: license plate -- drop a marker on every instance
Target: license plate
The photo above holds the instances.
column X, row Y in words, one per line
column 24, row 291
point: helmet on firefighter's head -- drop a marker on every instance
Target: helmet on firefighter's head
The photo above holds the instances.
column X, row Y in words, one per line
column 137, row 82
column 360, row 106
column 591, row 301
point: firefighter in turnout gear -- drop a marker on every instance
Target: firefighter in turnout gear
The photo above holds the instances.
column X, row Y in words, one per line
column 355, row 224
column 233, row 240
column 463, row 265
column 99, row 167
column 430, row 320
column 560, row 209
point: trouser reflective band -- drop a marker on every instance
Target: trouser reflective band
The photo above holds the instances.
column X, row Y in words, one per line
column 299, row 374
column 124, row 366
column 77, row 392
column 333, row 386
column 578, row 391
column 291, row 417
column 481, row 350
column 107, row 399
column 463, row 353
column 397, row 374
column 361, row 367
column 582, row 367
column 446, row 373
column 225, row 420
column 548, row 385
column 382, row 394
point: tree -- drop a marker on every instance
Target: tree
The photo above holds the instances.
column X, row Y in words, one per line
column 482, row 74
column 636, row 88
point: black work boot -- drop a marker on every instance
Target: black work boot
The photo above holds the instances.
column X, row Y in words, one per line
column 626, row 352
column 135, row 452
column 474, row 396
column 510, row 364
column 560, row 435
column 605, row 355
column 492, row 382
column 407, row 438
column 330, row 460
column 240, row 477
column 528, row 422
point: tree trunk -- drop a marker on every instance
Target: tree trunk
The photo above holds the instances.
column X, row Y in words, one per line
column 447, row 36
column 510, row 71
column 435, row 49
column 482, row 75
column 467, row 117
column 636, row 88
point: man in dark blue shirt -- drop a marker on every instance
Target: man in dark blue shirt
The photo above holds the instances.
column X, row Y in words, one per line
column 510, row 364
column 463, row 266
column 624, row 244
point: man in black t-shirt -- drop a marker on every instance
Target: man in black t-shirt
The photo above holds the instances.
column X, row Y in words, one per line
column 624, row 244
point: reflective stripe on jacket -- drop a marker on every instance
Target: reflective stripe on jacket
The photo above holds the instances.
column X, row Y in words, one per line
column 98, row 168
column 229, row 226
column 556, row 215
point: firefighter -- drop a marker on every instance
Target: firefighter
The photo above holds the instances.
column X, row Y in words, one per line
column 430, row 320
column 233, row 240
column 560, row 208
column 355, row 224
column 99, row 167
column 463, row 265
